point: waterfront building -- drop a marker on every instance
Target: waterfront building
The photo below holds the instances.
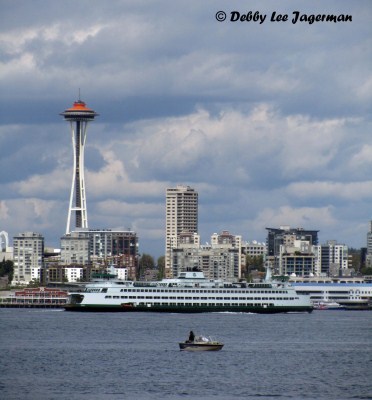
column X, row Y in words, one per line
column 369, row 246
column 332, row 259
column 79, row 115
column 254, row 249
column 73, row 273
column 53, row 272
column 181, row 217
column 75, row 248
column 121, row 273
column 285, row 235
column 221, row 259
column 101, row 248
column 28, row 248
column 296, row 257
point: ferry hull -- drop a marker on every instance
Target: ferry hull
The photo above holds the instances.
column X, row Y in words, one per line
column 185, row 309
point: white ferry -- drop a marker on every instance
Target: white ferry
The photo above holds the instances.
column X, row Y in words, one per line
column 191, row 292
column 348, row 293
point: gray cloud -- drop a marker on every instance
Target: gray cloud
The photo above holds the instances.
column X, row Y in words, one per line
column 270, row 123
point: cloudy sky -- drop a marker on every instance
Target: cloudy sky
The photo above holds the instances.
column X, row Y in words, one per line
column 270, row 123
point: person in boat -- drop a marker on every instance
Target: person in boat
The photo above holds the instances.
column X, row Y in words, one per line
column 191, row 336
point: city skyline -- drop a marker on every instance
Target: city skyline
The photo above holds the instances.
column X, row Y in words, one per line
column 269, row 123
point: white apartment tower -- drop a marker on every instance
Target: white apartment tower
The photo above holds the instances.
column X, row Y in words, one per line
column 181, row 217
column 369, row 245
column 28, row 257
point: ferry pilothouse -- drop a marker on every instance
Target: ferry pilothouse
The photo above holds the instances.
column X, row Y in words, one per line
column 190, row 292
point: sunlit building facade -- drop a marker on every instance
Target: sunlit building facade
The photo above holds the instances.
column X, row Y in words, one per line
column 181, row 217
column 28, row 255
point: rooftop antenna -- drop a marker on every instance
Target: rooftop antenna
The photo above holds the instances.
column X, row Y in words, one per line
column 79, row 95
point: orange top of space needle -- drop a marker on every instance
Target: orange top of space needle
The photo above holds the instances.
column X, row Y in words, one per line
column 79, row 111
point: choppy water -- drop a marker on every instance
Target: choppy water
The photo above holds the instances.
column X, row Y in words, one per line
column 53, row 354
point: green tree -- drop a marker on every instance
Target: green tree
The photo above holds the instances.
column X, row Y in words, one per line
column 161, row 267
column 254, row 262
column 145, row 262
column 367, row 271
column 34, row 283
column 7, row 268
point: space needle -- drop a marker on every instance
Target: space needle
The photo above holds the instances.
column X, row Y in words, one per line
column 79, row 115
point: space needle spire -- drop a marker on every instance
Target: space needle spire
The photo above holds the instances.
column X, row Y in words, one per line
column 79, row 115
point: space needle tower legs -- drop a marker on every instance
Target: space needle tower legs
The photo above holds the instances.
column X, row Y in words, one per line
column 79, row 115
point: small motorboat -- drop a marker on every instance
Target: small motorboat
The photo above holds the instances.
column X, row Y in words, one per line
column 201, row 343
column 327, row 305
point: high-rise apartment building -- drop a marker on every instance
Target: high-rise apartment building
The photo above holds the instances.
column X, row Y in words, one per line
column 28, row 248
column 181, row 217
column 369, row 246
column 332, row 259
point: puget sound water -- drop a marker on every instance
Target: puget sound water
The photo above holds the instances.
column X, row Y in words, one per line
column 54, row 354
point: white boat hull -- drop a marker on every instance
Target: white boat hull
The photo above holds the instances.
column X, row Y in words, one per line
column 214, row 346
